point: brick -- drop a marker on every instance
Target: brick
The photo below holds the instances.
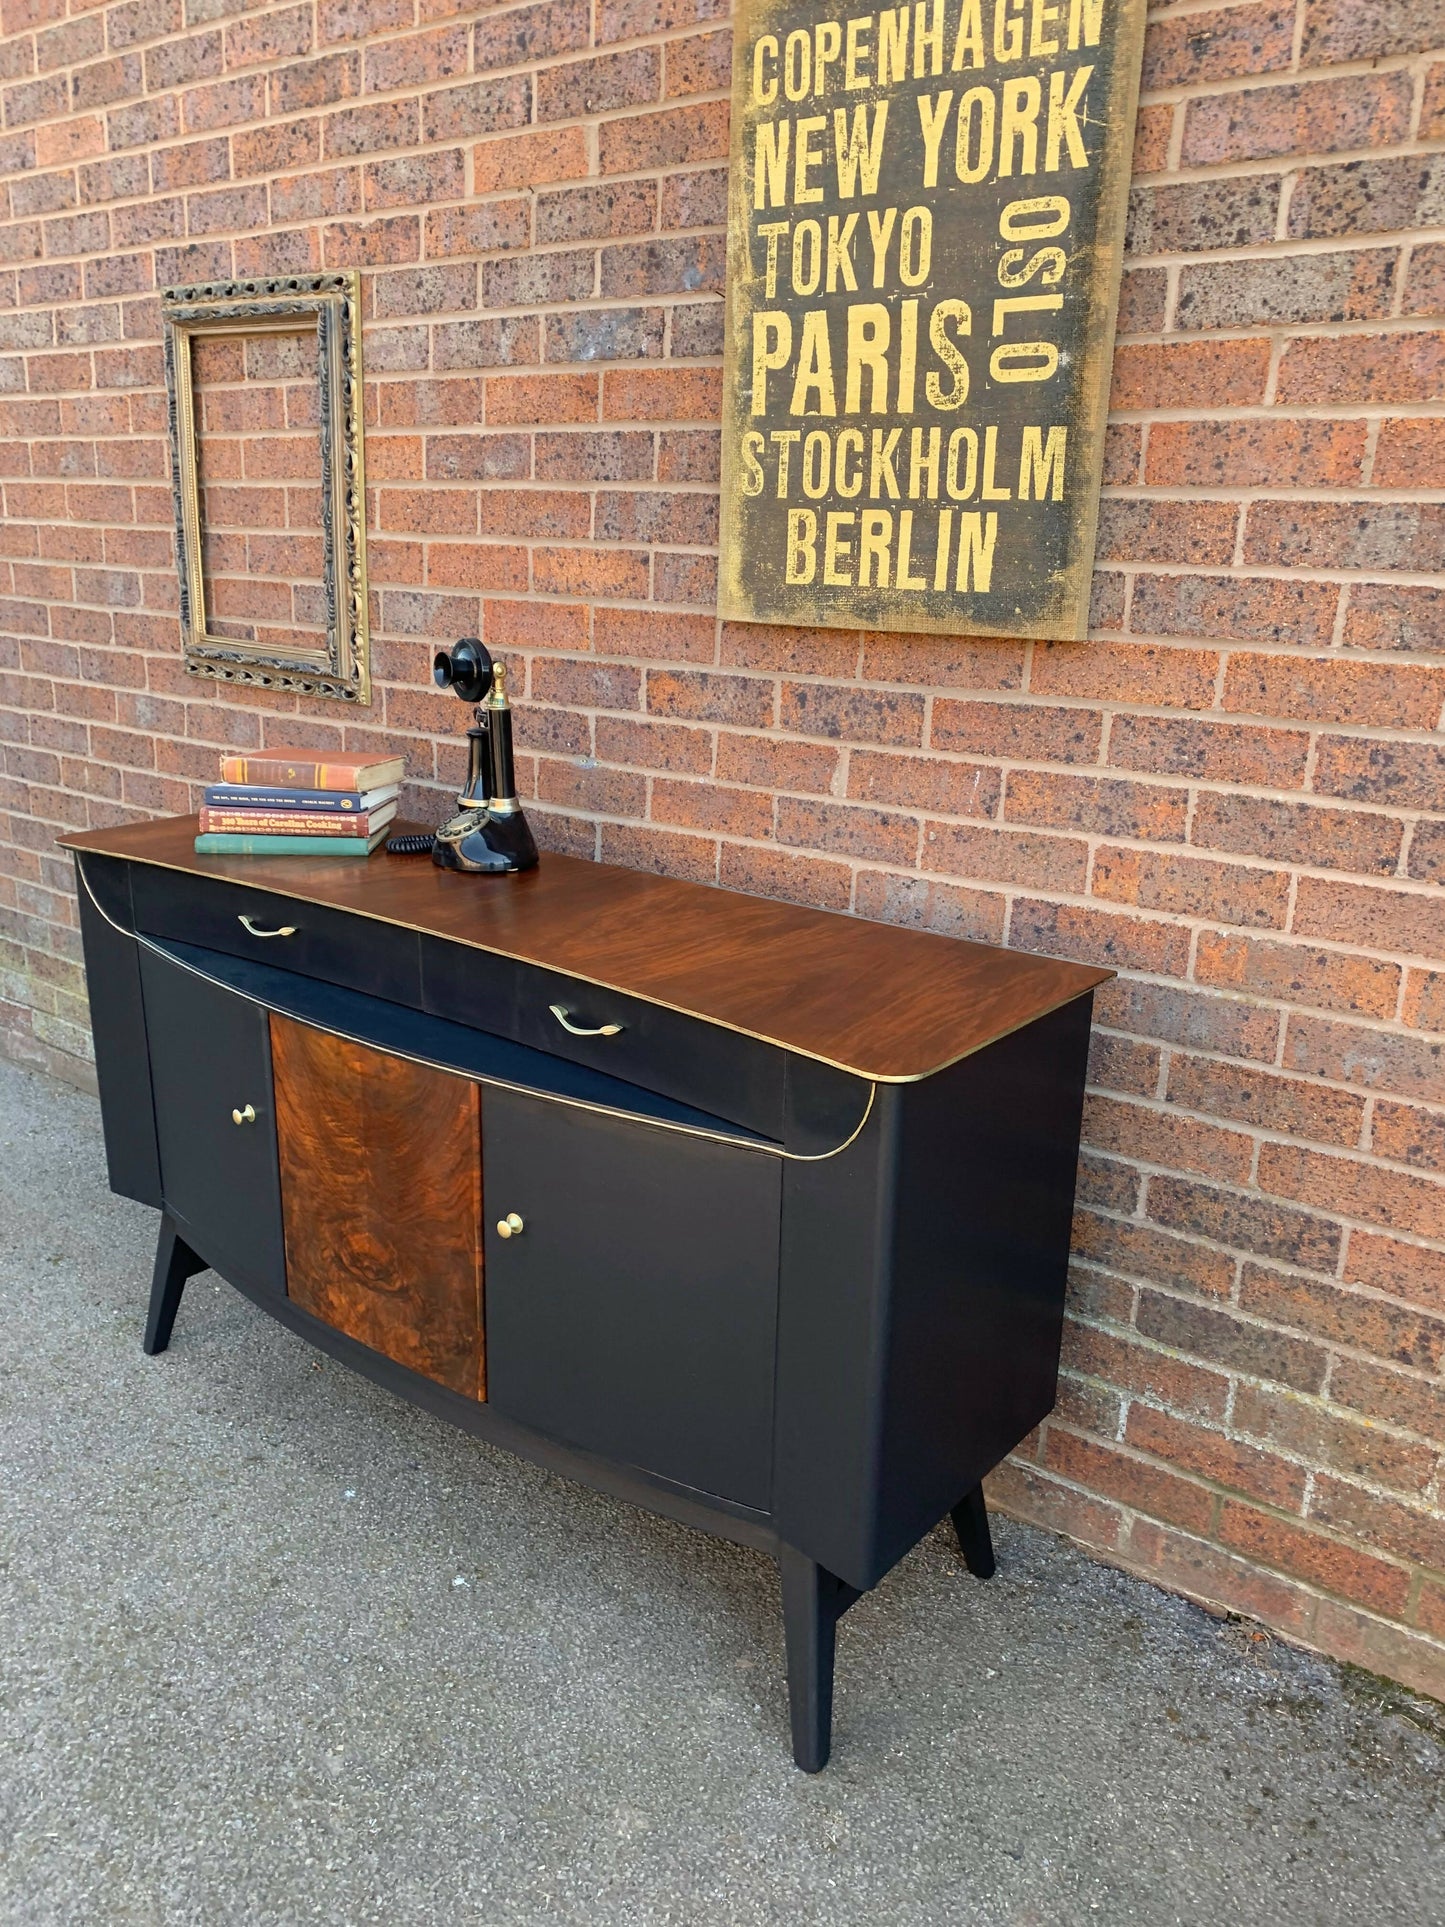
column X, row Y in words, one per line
column 592, row 213
column 1307, row 833
column 1133, row 672
column 530, row 33
column 1200, row 216
column 1218, row 1578
column 775, row 763
column 655, row 634
column 315, row 83
column 1006, row 856
column 918, row 903
column 608, row 455
column 1315, row 454
column 1327, row 1311
column 1199, row 533
column 1173, row 374
column 1235, row 608
column 1427, row 853
column 709, row 696
column 1098, row 936
column 779, row 873
column 481, row 107
column 1296, row 973
column 526, row 160
column 654, row 745
column 1424, row 1004
column 274, row 36
column 587, row 685
column 1340, row 30
column 1129, row 1480
column 1372, row 918
column 625, row 19
column 866, row 716
column 1386, row 1524
column 1397, row 1398
column 1354, row 1188
column 673, row 138
column 1400, row 535
column 600, row 85
column 1102, row 805
column 1409, row 1135
column 1394, row 696
column 1315, row 1433
column 1208, row 1454
column 1153, row 131
column 713, row 807
column 478, row 230
column 1377, row 1059
column 1022, row 731
column 662, row 394
column 1410, row 454
column 689, row 265
column 667, row 853
column 1186, row 886
column 1219, row 1338
column 1123, row 1064
column 1363, row 197
column 1374, row 369
column 1228, row 43
column 1311, row 1556
column 698, row 198
column 1425, row 287
column 1292, row 289
column 1313, row 117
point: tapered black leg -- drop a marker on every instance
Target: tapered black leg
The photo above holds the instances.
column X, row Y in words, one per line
column 814, row 1600
column 175, row 1262
column 975, row 1541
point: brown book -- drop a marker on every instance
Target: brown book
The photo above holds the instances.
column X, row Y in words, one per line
column 217, row 822
column 305, row 769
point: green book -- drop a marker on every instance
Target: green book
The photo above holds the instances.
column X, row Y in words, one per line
column 217, row 843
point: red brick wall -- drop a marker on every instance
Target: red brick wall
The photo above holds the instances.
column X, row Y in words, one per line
column 1235, row 792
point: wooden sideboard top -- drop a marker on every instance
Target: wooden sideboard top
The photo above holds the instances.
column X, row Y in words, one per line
column 885, row 1003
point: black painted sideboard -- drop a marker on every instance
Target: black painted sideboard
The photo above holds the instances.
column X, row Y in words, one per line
column 755, row 1215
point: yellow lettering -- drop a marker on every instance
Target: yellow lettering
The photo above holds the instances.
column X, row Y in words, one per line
column 991, row 492
column 882, row 475
column 847, row 480
column 840, row 253
column 772, row 232
column 798, row 65
column 915, row 247
column 1086, row 17
column 1008, row 33
column 858, row 50
column 815, row 368
column 1016, row 272
column 922, row 468
column 1039, row 18
column 765, row 86
column 927, row 39
column 977, row 105
column 970, row 36
column 940, row 556
column 859, row 151
column 770, row 163
column 1022, row 304
column 835, row 550
column 933, row 118
column 870, row 329
column 907, row 355
column 1023, row 361
column 1019, row 121
column 1041, row 465
column 807, row 257
column 892, row 47
column 827, row 45
column 880, row 232
column 784, row 438
column 772, row 349
column 977, row 535
column 905, row 580
column 1034, row 220
column 1064, row 125
column 750, row 447
column 876, row 532
column 961, row 316
column 817, row 463
column 963, row 440
column 802, row 545
column 806, row 157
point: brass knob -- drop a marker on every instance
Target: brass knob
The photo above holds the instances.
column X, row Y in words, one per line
column 510, row 1227
column 248, row 1116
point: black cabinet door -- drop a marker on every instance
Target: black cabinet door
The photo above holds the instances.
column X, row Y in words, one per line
column 210, row 1058
column 634, row 1312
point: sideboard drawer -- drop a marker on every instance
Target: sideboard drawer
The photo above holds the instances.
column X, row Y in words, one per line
column 712, row 1069
column 361, row 953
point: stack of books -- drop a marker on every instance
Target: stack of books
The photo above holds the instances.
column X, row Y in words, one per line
column 291, row 802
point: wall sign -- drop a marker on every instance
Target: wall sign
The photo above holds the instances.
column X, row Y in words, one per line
column 925, row 235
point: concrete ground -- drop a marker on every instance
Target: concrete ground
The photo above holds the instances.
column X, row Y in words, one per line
column 277, row 1648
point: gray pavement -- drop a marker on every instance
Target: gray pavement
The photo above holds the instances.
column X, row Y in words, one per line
column 277, row 1648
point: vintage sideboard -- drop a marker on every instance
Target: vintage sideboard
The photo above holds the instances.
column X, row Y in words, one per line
column 752, row 1214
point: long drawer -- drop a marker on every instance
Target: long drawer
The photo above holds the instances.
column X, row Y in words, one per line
column 334, row 945
column 696, row 1063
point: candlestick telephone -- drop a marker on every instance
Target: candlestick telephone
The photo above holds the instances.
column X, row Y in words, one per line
column 489, row 833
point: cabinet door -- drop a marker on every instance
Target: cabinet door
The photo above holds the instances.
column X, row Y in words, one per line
column 210, row 1058
column 633, row 1315
column 381, row 1190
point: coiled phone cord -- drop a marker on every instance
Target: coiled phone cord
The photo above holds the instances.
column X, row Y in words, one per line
column 410, row 845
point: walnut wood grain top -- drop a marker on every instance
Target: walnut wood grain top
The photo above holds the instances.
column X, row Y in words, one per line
column 885, row 1003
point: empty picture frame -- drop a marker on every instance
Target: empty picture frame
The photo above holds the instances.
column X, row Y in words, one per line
column 330, row 655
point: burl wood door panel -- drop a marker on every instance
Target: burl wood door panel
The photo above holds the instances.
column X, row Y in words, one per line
column 381, row 1191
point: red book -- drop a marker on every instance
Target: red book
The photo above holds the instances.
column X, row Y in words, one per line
column 216, row 822
column 309, row 769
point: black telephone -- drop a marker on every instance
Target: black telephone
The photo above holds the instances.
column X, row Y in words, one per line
column 489, row 835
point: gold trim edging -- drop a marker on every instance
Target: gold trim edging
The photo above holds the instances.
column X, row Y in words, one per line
column 499, row 1083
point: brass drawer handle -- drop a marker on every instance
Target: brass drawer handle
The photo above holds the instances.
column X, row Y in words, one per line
column 559, row 1011
column 286, row 930
column 511, row 1226
column 248, row 1116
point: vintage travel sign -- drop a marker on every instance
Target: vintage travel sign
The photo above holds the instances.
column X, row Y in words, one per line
column 925, row 235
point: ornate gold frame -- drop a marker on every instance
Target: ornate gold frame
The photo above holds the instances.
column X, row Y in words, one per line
column 330, row 306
